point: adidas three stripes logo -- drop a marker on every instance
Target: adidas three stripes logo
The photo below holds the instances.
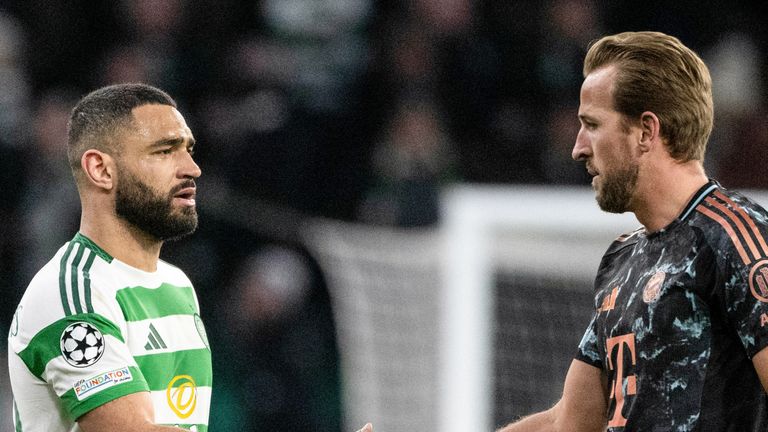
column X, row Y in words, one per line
column 154, row 340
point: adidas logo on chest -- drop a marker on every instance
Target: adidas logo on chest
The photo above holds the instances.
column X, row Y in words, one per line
column 154, row 341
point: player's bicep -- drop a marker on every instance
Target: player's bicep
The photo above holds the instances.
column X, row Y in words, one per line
column 584, row 404
column 128, row 413
column 760, row 361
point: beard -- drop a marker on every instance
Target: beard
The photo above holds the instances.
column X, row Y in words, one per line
column 618, row 187
column 151, row 212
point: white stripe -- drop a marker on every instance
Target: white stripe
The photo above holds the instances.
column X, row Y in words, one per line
column 165, row 415
column 68, row 277
column 64, row 376
column 81, row 280
column 177, row 331
column 698, row 200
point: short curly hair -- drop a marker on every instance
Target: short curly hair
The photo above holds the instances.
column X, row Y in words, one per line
column 100, row 115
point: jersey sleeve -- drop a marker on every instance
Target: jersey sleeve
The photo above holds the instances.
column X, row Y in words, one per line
column 589, row 351
column 83, row 356
column 746, row 302
column 741, row 257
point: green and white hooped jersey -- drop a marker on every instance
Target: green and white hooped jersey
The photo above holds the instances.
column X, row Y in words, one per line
column 91, row 329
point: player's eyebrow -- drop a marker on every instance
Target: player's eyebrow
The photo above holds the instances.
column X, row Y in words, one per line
column 586, row 118
column 173, row 142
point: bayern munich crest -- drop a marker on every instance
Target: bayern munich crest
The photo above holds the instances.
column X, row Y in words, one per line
column 758, row 281
column 652, row 289
column 82, row 344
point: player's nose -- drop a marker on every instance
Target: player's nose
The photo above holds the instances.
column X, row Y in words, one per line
column 581, row 148
column 189, row 168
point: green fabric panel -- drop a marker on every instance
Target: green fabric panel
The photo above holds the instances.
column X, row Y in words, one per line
column 77, row 408
column 159, row 369
column 46, row 344
column 140, row 303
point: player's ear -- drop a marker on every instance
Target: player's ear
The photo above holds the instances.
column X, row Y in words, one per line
column 650, row 129
column 99, row 169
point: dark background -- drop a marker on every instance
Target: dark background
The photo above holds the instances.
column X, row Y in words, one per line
column 358, row 110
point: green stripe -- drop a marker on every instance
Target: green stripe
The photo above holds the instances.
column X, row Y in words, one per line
column 73, row 276
column 17, row 424
column 140, row 303
column 85, row 241
column 87, row 283
column 159, row 369
column 46, row 345
column 63, row 278
column 77, row 408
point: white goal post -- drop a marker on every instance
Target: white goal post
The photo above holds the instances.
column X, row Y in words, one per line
column 437, row 328
column 486, row 229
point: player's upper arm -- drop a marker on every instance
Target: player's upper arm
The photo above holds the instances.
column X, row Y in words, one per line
column 584, row 404
column 760, row 360
column 133, row 413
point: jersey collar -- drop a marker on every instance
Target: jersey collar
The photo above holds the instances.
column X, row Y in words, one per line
column 702, row 193
column 85, row 241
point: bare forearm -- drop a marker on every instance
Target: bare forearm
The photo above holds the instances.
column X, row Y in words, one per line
column 143, row 428
column 540, row 422
column 131, row 413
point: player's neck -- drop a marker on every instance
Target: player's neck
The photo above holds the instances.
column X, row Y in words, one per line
column 664, row 191
column 123, row 241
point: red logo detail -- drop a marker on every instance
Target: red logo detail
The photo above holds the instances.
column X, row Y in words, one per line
column 758, row 280
column 653, row 287
column 763, row 320
column 618, row 392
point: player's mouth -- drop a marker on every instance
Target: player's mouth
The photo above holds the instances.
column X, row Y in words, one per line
column 592, row 171
column 186, row 196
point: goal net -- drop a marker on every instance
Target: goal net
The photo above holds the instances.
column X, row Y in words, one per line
column 469, row 325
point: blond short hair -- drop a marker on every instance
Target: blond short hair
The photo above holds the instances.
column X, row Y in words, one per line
column 657, row 73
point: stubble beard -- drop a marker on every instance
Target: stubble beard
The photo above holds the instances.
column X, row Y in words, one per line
column 138, row 204
column 615, row 195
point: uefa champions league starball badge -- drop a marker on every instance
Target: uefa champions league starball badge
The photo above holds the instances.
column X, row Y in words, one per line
column 82, row 344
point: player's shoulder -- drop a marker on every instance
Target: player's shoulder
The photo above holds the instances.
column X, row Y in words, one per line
column 731, row 221
column 63, row 286
column 43, row 289
column 728, row 212
column 625, row 240
column 172, row 273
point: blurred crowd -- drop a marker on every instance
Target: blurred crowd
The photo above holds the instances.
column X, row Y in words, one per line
column 359, row 110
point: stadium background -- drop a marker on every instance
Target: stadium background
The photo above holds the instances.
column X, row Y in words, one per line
column 351, row 110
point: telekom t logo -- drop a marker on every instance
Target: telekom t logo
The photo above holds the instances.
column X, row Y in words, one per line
column 618, row 391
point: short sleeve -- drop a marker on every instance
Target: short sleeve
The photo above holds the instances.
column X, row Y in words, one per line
column 589, row 351
column 746, row 302
column 84, row 358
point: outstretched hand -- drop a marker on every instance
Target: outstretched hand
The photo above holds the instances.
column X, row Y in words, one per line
column 367, row 428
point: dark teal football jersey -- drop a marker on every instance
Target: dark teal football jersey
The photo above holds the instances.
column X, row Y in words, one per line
column 679, row 313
